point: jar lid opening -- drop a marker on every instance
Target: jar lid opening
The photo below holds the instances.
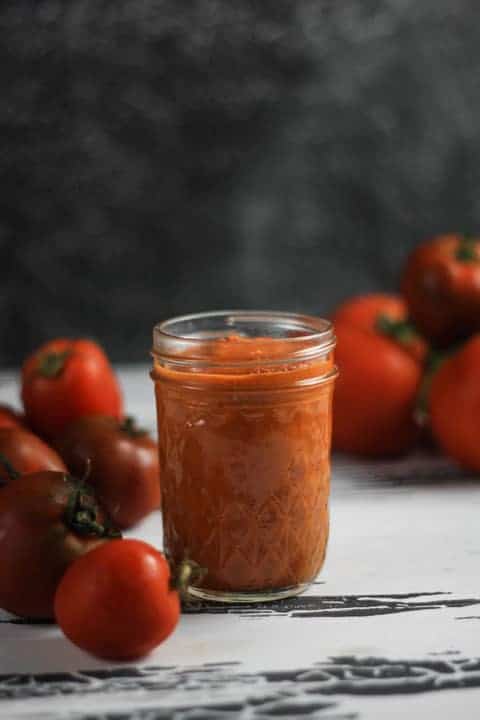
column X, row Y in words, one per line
column 238, row 337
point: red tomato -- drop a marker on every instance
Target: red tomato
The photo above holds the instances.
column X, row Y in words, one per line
column 375, row 394
column 363, row 311
column 441, row 284
column 454, row 402
column 26, row 453
column 116, row 602
column 67, row 379
column 47, row 519
column 10, row 417
column 384, row 315
column 124, row 465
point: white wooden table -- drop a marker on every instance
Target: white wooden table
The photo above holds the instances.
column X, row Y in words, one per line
column 390, row 630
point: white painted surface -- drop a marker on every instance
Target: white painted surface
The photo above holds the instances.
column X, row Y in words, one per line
column 407, row 527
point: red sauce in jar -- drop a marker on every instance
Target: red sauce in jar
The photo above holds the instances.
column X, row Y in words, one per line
column 244, row 440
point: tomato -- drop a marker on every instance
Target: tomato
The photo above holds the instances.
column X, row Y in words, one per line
column 47, row 519
column 10, row 417
column 26, row 453
column 454, row 402
column 384, row 314
column 67, row 379
column 364, row 311
column 441, row 284
column 125, row 466
column 380, row 356
column 116, row 602
column 375, row 394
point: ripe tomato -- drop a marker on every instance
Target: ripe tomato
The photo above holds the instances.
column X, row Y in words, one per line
column 386, row 315
column 10, row 417
column 47, row 519
column 441, row 284
column 125, row 466
column 375, row 394
column 116, row 602
column 454, row 402
column 67, row 379
column 364, row 310
column 26, row 453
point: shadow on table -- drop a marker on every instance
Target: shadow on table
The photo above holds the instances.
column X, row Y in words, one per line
column 422, row 468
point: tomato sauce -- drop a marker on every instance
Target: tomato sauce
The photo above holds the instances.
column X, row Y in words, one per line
column 244, row 440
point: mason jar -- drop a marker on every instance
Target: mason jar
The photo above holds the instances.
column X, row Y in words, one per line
column 244, row 408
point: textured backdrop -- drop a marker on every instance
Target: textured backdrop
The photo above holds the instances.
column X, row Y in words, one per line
column 159, row 157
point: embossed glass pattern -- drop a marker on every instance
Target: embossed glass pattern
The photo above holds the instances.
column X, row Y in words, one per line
column 244, row 422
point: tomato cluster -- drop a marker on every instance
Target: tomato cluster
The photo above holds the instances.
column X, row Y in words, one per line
column 74, row 414
column 74, row 471
column 410, row 364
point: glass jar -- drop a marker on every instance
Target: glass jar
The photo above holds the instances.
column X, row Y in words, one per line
column 244, row 408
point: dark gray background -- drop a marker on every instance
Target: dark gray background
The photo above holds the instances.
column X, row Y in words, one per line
column 160, row 157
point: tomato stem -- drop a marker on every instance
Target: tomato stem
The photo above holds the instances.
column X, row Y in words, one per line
column 82, row 514
column 400, row 330
column 467, row 250
column 51, row 364
column 186, row 573
column 12, row 473
column 130, row 427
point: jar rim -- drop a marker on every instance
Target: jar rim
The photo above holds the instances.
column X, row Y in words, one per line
column 311, row 336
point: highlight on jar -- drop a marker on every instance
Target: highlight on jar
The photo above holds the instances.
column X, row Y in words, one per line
column 244, row 411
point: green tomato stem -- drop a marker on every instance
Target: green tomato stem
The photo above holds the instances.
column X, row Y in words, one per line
column 51, row 364
column 12, row 473
column 467, row 250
